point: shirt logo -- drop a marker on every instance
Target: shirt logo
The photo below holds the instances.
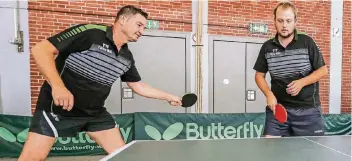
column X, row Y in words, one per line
column 275, row 52
column 105, row 48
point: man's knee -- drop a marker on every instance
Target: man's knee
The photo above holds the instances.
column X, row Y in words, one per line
column 32, row 158
column 36, row 147
column 30, row 155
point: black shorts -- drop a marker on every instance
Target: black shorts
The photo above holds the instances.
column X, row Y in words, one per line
column 49, row 124
column 300, row 122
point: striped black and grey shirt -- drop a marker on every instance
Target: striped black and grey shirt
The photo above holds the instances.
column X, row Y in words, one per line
column 299, row 59
column 89, row 63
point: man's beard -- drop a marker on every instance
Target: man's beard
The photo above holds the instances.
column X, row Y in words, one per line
column 285, row 36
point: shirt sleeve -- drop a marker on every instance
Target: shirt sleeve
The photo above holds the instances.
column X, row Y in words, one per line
column 315, row 56
column 261, row 64
column 72, row 39
column 131, row 75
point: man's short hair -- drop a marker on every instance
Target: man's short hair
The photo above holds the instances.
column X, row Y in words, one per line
column 130, row 10
column 285, row 5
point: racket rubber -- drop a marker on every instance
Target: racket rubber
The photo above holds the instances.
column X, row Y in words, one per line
column 280, row 113
column 189, row 100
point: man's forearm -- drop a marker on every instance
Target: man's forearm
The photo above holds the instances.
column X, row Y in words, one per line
column 44, row 59
column 262, row 84
column 315, row 76
column 148, row 91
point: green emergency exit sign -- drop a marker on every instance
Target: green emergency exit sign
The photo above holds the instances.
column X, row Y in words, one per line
column 152, row 24
column 258, row 28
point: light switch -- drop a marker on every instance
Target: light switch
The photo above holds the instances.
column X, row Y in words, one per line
column 127, row 93
column 251, row 95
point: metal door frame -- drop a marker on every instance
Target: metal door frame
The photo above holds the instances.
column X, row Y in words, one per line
column 180, row 35
column 212, row 39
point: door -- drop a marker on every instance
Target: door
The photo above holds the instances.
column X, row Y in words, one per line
column 232, row 83
column 14, row 66
column 161, row 62
column 255, row 99
column 229, row 77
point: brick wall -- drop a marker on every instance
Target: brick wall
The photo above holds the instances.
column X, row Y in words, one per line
column 230, row 18
column 47, row 18
column 346, row 61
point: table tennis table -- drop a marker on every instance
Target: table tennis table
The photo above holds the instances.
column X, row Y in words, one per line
column 324, row 148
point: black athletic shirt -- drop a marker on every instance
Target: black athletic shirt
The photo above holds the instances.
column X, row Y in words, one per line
column 299, row 59
column 88, row 63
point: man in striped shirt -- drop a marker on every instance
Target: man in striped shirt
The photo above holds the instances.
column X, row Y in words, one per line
column 295, row 64
column 78, row 81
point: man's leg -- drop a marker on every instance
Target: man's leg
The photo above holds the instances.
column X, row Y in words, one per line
column 36, row 147
column 45, row 127
column 110, row 140
column 41, row 137
column 273, row 128
column 308, row 122
column 103, row 130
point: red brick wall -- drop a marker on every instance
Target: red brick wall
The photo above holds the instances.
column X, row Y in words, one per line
column 47, row 18
column 313, row 19
column 346, row 61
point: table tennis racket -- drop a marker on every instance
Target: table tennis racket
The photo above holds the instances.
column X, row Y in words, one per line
column 189, row 100
column 280, row 113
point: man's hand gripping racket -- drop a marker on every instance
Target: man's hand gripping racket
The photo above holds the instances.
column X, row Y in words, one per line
column 278, row 110
column 280, row 113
